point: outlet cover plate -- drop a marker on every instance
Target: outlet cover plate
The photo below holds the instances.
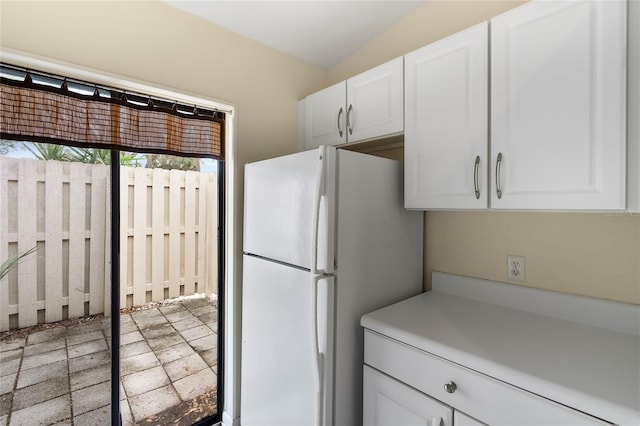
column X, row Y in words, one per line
column 515, row 268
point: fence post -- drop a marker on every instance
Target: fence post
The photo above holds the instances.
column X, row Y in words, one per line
column 157, row 233
column 174, row 233
column 124, row 233
column 4, row 243
column 53, row 241
column 77, row 234
column 107, row 244
column 27, row 269
column 190, row 232
column 139, row 266
column 212, row 236
column 97, row 287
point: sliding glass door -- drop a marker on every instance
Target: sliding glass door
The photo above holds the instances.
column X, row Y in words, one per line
column 61, row 300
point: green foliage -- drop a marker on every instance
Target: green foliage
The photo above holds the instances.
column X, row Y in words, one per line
column 13, row 261
column 129, row 159
column 90, row 155
column 6, row 147
column 46, row 151
column 102, row 156
column 161, row 161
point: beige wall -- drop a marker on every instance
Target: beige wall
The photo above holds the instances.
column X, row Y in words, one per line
column 428, row 23
column 161, row 45
column 153, row 43
column 592, row 254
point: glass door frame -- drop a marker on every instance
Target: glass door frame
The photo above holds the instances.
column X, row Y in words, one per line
column 115, row 293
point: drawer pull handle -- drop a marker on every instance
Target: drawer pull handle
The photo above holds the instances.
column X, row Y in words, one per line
column 450, row 387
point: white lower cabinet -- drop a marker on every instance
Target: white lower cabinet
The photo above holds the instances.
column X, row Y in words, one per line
column 461, row 419
column 388, row 402
column 406, row 386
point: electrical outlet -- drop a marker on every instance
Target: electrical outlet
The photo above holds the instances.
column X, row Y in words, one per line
column 515, row 268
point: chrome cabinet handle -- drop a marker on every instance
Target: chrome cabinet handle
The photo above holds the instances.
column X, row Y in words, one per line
column 498, row 175
column 476, row 184
column 339, row 126
column 450, row 387
column 349, row 127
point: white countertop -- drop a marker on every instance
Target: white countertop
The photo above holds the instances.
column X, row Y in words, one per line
column 592, row 369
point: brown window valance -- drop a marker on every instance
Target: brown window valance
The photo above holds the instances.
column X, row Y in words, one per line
column 42, row 108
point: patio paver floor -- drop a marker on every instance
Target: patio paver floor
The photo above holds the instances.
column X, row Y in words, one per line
column 61, row 375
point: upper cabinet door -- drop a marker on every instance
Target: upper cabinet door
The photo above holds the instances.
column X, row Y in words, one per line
column 326, row 117
column 446, row 109
column 558, row 106
column 374, row 102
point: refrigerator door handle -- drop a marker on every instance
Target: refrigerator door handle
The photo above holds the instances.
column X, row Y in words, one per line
column 320, row 190
column 317, row 355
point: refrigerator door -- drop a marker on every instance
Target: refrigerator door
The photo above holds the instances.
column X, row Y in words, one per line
column 280, row 380
column 289, row 208
column 379, row 256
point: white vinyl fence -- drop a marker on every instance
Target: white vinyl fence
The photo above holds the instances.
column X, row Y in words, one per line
column 168, row 239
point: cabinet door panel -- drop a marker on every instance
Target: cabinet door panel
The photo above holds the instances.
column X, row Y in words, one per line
column 326, row 117
column 558, row 106
column 461, row 419
column 374, row 102
column 388, row 402
column 446, row 111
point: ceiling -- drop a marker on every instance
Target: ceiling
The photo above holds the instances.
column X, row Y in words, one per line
column 320, row 32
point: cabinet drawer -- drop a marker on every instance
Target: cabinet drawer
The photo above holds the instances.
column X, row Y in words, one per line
column 387, row 402
column 488, row 400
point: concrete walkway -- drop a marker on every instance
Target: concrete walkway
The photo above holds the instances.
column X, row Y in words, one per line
column 61, row 375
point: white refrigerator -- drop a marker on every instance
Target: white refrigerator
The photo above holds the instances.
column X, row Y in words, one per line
column 326, row 240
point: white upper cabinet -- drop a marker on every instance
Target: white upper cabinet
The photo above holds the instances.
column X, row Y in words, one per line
column 375, row 102
column 367, row 106
column 446, row 111
column 325, row 117
column 558, row 93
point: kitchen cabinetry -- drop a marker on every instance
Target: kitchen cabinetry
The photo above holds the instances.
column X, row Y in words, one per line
column 388, row 402
column 461, row 419
column 491, row 353
column 558, row 106
column 558, row 110
column 367, row 106
column 446, row 110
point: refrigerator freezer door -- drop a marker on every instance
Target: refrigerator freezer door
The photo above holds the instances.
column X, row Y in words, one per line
column 282, row 197
column 278, row 375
